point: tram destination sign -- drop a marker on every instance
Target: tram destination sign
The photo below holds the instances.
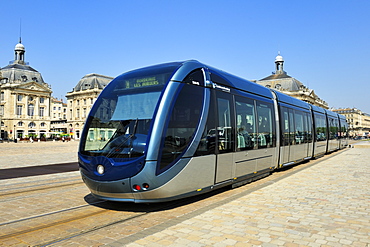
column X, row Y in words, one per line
column 142, row 82
column 148, row 80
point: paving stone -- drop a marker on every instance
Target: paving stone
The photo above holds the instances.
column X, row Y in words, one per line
column 326, row 204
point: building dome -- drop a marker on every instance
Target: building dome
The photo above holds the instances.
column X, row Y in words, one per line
column 279, row 58
column 91, row 81
column 19, row 47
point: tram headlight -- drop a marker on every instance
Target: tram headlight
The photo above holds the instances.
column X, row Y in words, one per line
column 100, row 169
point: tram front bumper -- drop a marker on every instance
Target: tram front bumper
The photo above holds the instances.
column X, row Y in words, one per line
column 119, row 190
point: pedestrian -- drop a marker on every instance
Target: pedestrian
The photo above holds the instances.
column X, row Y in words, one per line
column 31, row 140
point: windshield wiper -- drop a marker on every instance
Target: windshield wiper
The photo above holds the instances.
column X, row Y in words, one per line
column 124, row 141
column 132, row 135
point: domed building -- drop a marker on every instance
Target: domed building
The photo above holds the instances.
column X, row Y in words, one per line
column 81, row 99
column 284, row 83
column 25, row 99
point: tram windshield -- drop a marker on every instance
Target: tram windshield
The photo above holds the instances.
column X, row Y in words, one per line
column 119, row 121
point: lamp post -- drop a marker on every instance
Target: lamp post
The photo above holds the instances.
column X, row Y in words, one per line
column 15, row 136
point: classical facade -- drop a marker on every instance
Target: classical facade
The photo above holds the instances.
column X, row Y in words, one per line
column 358, row 121
column 25, row 99
column 81, row 99
column 286, row 84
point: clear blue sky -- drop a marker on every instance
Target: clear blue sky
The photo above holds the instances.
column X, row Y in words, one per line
column 325, row 44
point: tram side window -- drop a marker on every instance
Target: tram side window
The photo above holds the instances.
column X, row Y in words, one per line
column 207, row 142
column 291, row 127
column 245, row 123
column 320, row 123
column 266, row 129
column 224, row 127
column 309, row 127
column 333, row 127
column 285, row 126
column 343, row 128
column 300, row 127
column 183, row 122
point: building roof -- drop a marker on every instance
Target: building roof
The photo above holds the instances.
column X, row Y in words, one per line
column 282, row 82
column 18, row 71
column 276, row 76
column 91, row 81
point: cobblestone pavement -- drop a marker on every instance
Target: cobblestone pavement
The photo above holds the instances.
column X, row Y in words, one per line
column 327, row 204
column 24, row 154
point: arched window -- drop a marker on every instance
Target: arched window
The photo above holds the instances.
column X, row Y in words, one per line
column 31, row 125
column 31, row 110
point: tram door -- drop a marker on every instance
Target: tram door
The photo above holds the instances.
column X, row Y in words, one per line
column 284, row 149
column 296, row 136
column 225, row 137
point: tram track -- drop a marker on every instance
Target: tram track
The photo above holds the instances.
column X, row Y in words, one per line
column 71, row 224
column 92, row 212
column 40, row 188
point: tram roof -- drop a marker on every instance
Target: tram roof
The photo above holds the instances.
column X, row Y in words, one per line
column 233, row 80
column 317, row 109
column 332, row 114
column 281, row 97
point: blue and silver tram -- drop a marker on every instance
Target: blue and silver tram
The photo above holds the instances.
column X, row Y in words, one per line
column 179, row 129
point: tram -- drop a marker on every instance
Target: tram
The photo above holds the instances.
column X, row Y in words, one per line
column 179, row 129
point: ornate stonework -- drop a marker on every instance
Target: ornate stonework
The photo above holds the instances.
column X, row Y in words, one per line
column 25, row 99
column 284, row 83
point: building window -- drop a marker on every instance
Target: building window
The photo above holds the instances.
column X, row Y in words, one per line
column 31, row 109
column 78, row 113
column 84, row 101
column 42, row 124
column 2, row 97
column 19, row 110
column 42, row 100
column 20, row 124
column 31, row 125
column 19, row 97
column 41, row 113
column 70, row 111
column 91, row 101
column 78, row 102
column 1, row 110
column 84, row 113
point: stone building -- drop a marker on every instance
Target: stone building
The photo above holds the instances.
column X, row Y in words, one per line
column 58, row 122
column 25, row 99
column 358, row 121
column 81, row 99
column 286, row 84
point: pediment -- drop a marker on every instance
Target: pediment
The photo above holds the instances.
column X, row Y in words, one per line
column 34, row 86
